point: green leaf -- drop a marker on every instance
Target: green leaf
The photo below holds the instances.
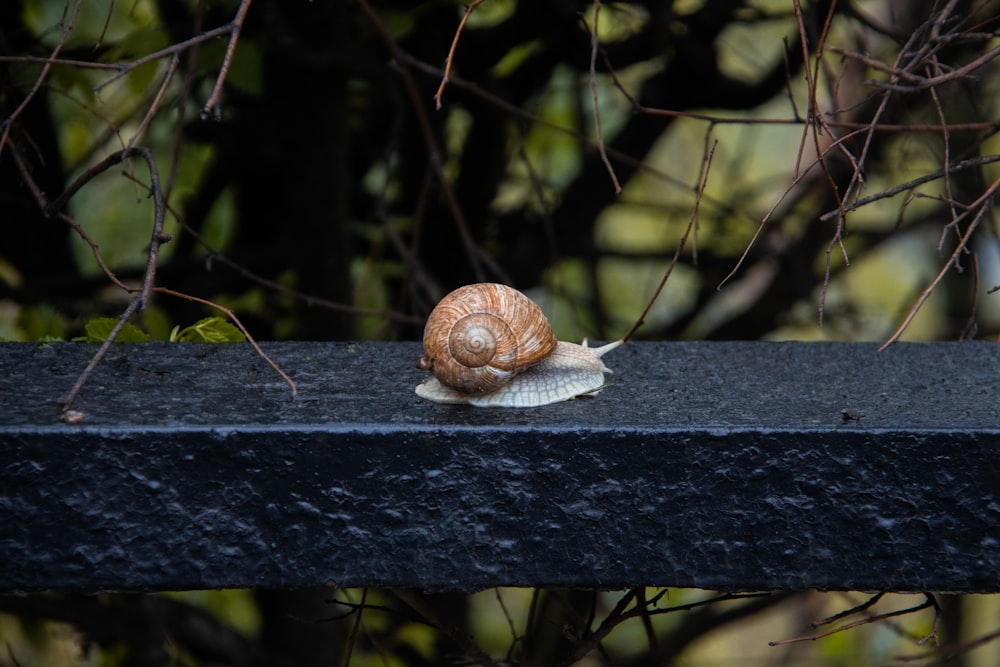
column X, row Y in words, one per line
column 209, row 330
column 98, row 330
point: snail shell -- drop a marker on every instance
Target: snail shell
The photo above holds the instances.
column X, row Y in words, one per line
column 480, row 336
column 489, row 345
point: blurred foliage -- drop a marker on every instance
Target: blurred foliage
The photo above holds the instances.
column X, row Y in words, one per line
column 504, row 625
column 330, row 200
column 319, row 175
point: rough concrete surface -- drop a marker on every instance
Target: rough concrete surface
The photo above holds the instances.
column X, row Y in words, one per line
column 735, row 466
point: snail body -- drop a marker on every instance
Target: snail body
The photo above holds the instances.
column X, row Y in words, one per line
column 490, row 345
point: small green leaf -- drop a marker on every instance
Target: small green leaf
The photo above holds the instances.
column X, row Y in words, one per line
column 209, row 330
column 98, row 330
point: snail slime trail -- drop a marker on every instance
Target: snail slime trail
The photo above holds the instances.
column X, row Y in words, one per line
column 489, row 345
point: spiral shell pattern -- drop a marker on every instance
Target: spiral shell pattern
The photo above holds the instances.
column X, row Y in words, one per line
column 480, row 336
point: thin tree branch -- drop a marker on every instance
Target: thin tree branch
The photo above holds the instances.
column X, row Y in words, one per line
column 595, row 46
column 476, row 257
column 451, row 51
column 123, row 69
column 706, row 164
column 929, row 602
column 212, row 108
column 5, row 127
column 981, row 205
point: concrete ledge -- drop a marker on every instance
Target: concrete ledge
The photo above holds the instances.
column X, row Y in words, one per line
column 733, row 466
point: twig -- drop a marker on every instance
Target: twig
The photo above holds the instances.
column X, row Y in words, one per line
column 70, row 62
column 95, row 251
column 897, row 128
column 848, row 612
column 948, row 653
column 473, row 652
column 500, row 103
column 140, row 300
column 9, row 121
column 760, row 228
column 808, row 128
column 929, row 82
column 123, row 69
column 211, row 108
column 594, row 48
column 593, row 639
column 647, row 625
column 909, row 185
column 56, row 205
column 515, row 639
column 104, row 28
column 81, row 380
column 157, row 238
column 928, row 602
column 181, row 104
column 475, row 255
column 213, row 255
column 706, row 164
column 154, row 107
column 352, row 638
column 815, row 130
column 619, row 615
column 451, row 52
column 354, row 607
column 236, row 320
column 143, row 296
column 982, row 204
column 536, row 120
column 531, row 620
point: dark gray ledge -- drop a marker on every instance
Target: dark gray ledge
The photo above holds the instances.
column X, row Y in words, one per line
column 731, row 466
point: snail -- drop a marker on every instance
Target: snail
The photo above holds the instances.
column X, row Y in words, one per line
column 489, row 345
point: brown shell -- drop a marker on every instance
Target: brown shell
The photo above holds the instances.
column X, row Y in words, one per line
column 480, row 336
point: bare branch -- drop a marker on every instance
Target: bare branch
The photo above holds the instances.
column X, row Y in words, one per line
column 928, row 603
column 211, row 108
column 594, row 48
column 981, row 206
column 706, row 165
column 451, row 51
column 236, row 320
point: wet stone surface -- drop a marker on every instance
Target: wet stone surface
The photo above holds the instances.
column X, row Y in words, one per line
column 730, row 466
